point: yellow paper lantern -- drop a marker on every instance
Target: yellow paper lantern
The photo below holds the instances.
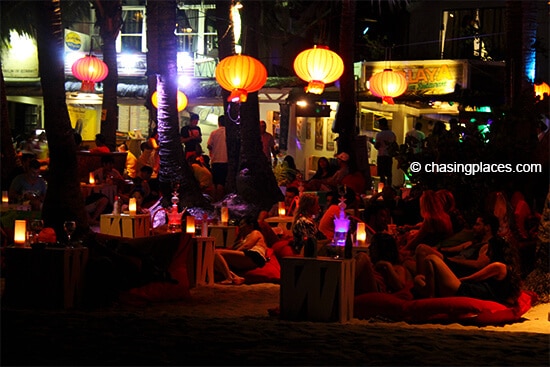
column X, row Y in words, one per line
column 89, row 70
column 318, row 66
column 387, row 85
column 542, row 90
column 181, row 100
column 240, row 75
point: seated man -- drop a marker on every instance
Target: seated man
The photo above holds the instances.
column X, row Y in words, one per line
column 467, row 257
column 29, row 187
column 107, row 173
column 291, row 202
column 202, row 174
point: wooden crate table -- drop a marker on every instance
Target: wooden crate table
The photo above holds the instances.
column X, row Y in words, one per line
column 224, row 235
column 45, row 278
column 201, row 264
column 317, row 289
column 125, row 225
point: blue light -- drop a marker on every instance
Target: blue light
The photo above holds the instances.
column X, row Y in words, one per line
column 365, row 30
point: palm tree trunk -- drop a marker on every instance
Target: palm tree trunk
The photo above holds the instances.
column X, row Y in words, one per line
column 173, row 167
column 63, row 199
column 109, row 19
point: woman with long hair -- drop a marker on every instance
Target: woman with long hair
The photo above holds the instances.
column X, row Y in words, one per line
column 499, row 281
column 435, row 226
column 304, row 223
column 324, row 169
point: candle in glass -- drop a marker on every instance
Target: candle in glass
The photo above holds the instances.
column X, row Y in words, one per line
column 20, row 232
column 132, row 206
column 5, row 199
column 225, row 215
column 361, row 234
column 92, row 179
column 282, row 210
column 190, row 225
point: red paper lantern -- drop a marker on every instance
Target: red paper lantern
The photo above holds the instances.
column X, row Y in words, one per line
column 89, row 70
column 542, row 90
column 240, row 74
column 181, row 100
column 318, row 66
column 387, row 85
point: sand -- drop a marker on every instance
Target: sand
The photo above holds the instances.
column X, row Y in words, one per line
column 230, row 325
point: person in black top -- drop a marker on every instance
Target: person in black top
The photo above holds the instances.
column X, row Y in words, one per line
column 191, row 136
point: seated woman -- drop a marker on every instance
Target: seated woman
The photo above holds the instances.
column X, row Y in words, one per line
column 449, row 206
column 499, row 281
column 304, row 225
column 381, row 271
column 139, row 195
column 435, row 226
column 250, row 253
column 324, row 169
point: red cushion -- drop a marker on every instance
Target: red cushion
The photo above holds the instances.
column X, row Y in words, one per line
column 269, row 236
column 282, row 249
column 166, row 291
column 445, row 309
column 269, row 273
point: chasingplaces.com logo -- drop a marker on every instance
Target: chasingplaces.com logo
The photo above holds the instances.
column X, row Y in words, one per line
column 470, row 169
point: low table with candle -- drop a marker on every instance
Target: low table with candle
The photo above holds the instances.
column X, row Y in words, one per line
column 125, row 225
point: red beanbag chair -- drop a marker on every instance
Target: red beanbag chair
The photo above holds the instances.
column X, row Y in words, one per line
column 166, row 291
column 282, row 249
column 463, row 310
column 269, row 273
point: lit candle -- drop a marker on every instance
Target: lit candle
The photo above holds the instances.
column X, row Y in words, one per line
column 92, row 178
column 380, row 186
column 5, row 199
column 282, row 211
column 225, row 215
column 20, row 232
column 132, row 206
column 361, row 234
column 190, row 225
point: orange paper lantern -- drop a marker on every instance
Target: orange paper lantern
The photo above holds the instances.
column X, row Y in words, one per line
column 387, row 85
column 240, row 74
column 89, row 70
column 318, row 66
column 181, row 100
column 542, row 90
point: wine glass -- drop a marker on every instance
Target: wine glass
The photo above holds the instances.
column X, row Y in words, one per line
column 70, row 227
column 36, row 226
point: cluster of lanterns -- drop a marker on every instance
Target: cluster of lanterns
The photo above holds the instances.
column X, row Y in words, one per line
column 241, row 74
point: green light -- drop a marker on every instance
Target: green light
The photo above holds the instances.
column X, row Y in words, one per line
column 483, row 109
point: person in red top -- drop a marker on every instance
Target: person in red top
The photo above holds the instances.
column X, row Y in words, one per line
column 101, row 147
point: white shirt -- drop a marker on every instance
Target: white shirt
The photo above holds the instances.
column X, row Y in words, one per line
column 217, row 146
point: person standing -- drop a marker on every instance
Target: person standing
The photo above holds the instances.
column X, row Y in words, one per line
column 191, row 136
column 383, row 141
column 415, row 138
column 217, row 149
column 268, row 142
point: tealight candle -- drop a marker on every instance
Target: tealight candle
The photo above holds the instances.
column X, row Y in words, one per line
column 190, row 225
column 92, row 179
column 282, row 210
column 20, row 232
column 132, row 206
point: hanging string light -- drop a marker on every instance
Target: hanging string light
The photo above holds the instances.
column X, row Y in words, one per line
column 318, row 66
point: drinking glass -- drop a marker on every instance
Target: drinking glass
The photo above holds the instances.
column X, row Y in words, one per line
column 70, row 227
column 36, row 226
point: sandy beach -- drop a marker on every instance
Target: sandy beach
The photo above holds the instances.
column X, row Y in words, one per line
column 230, row 325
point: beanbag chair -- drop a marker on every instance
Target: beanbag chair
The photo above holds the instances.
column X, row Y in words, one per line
column 269, row 273
column 282, row 249
column 163, row 291
column 462, row 310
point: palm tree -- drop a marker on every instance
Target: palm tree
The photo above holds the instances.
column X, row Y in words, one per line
column 162, row 62
column 109, row 20
column 63, row 199
column 250, row 174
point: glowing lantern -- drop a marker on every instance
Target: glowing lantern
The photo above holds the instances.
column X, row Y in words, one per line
column 541, row 90
column 89, row 70
column 20, row 232
column 387, row 85
column 132, row 206
column 181, row 100
column 282, row 210
column 190, row 225
column 318, row 66
column 240, row 74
